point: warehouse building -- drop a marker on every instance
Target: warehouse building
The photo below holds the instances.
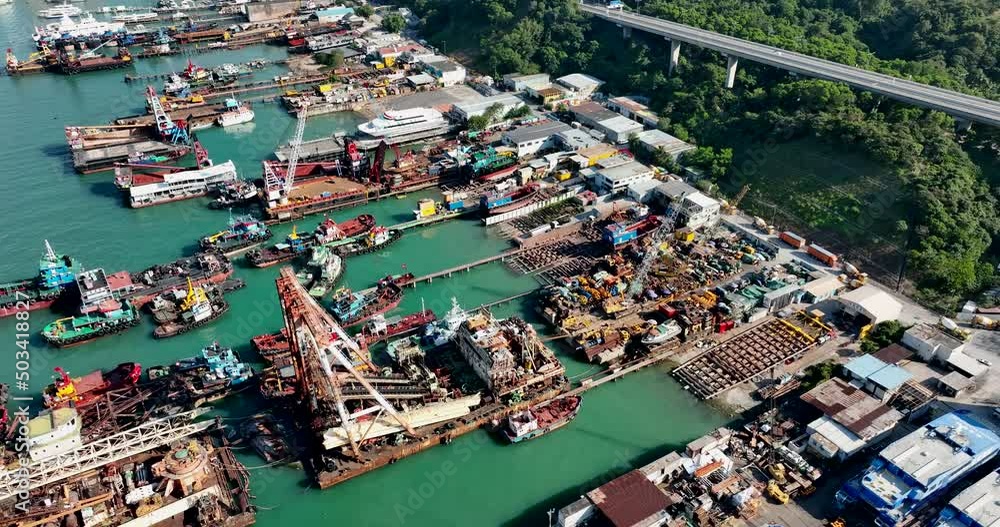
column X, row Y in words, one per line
column 931, row 343
column 590, row 113
column 908, row 473
column 852, row 420
column 976, row 506
column 575, row 140
column 870, row 305
column 876, row 377
column 528, row 140
column 658, row 140
column 618, row 178
column 618, row 129
column 643, row 191
column 518, row 82
column 332, row 15
column 507, row 101
column 446, row 71
column 579, row 85
column 634, row 108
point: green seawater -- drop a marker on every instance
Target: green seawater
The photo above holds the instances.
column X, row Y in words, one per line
column 476, row 480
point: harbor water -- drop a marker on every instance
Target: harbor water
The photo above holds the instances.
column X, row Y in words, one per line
column 476, row 480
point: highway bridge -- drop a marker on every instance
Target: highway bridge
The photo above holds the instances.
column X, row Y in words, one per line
column 966, row 108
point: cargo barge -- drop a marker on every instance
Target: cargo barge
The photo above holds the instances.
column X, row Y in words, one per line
column 499, row 202
column 380, row 328
column 70, row 64
column 102, row 158
column 56, row 272
column 542, row 419
column 200, row 269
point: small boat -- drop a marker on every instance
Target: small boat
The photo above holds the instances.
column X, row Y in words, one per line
column 380, row 328
column 60, row 11
column 211, row 375
column 441, row 332
column 377, row 239
column 350, row 308
column 329, row 267
column 542, row 419
column 243, row 232
column 233, row 194
column 135, row 18
column 197, row 309
column 267, row 436
column 110, row 318
column 662, row 333
column 236, row 113
column 293, row 246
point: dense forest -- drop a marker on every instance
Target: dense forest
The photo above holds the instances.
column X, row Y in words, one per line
column 933, row 203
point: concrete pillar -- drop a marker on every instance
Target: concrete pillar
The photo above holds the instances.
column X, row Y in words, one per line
column 963, row 125
column 731, row 71
column 675, row 55
column 626, row 32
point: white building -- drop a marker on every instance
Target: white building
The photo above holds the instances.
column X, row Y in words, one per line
column 643, row 191
column 852, row 419
column 699, row 210
column 618, row 129
column 618, row 178
column 333, row 15
column 530, row 139
column 871, row 303
column 575, row 140
column 447, row 72
column 580, row 85
column 507, row 101
column 653, row 140
column 634, row 108
column 931, row 343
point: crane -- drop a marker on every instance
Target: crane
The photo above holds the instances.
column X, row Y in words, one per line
column 739, row 197
column 293, row 156
column 93, row 52
column 649, row 258
column 315, row 337
column 165, row 126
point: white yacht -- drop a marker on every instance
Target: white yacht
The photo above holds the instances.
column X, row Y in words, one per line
column 236, row 113
column 395, row 123
column 86, row 26
column 60, row 11
column 132, row 18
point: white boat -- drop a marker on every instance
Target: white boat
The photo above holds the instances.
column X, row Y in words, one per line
column 662, row 333
column 236, row 114
column 132, row 18
column 395, row 123
column 441, row 332
column 86, row 26
column 145, row 191
column 60, row 11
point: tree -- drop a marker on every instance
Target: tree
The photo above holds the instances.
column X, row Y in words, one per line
column 334, row 59
column 518, row 112
column 882, row 335
column 364, row 11
column 818, row 374
column 393, row 23
column 478, row 122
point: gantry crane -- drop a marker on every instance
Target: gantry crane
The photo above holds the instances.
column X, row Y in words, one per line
column 314, row 336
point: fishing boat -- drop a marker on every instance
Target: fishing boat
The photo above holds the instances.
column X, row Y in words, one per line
column 377, row 239
column 83, row 391
column 212, row 374
column 56, row 272
column 60, row 11
column 236, row 113
column 108, row 318
column 442, row 331
column 662, row 333
column 242, row 233
column 197, row 309
column 350, row 308
column 542, row 419
column 234, row 194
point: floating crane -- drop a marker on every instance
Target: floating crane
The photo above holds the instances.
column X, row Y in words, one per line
column 175, row 132
column 315, row 337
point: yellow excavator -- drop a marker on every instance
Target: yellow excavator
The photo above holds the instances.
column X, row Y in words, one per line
column 775, row 492
column 195, row 295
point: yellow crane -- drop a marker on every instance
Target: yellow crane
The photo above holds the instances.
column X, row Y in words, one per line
column 739, row 197
column 195, row 295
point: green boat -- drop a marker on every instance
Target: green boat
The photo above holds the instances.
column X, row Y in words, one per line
column 114, row 318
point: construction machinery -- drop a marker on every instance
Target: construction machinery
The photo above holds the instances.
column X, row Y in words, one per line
column 659, row 236
column 166, row 128
column 777, row 471
column 732, row 207
column 853, row 277
column 983, row 322
column 775, row 492
column 278, row 189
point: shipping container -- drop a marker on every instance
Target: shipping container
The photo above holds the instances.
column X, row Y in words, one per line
column 793, row 239
column 822, row 255
column 666, row 310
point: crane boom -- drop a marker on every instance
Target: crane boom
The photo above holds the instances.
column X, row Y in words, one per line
column 649, row 258
column 296, row 144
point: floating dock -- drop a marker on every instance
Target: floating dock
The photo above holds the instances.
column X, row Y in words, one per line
column 104, row 158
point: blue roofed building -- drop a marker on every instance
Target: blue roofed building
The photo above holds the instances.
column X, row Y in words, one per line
column 874, row 376
column 333, row 14
column 976, row 506
column 910, row 472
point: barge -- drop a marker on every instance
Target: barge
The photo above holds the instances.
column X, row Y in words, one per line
column 327, row 232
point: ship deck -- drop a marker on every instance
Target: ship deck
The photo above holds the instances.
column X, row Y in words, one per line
column 316, row 187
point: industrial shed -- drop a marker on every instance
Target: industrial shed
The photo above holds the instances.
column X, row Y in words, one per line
column 871, row 303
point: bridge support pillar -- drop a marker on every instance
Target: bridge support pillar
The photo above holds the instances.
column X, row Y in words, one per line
column 675, row 56
column 963, row 125
column 732, row 63
column 626, row 32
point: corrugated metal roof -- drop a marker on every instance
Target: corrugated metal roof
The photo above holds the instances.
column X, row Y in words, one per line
column 864, row 366
column 629, row 500
column 890, row 377
column 852, row 408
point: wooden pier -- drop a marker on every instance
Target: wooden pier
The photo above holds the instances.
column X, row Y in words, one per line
column 464, row 267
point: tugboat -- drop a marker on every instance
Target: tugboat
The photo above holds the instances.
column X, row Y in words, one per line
column 211, row 376
column 351, row 308
column 55, row 273
column 442, row 331
column 327, row 268
column 197, row 309
column 243, row 232
column 378, row 238
column 83, row 391
column 101, row 314
column 233, row 194
column 328, row 231
column 379, row 328
column 542, row 419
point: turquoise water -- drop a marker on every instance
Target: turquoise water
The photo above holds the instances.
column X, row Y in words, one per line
column 474, row 481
